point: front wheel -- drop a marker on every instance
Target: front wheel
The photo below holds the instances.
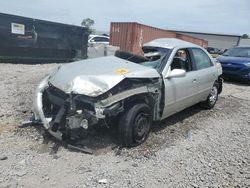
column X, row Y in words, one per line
column 134, row 126
column 212, row 97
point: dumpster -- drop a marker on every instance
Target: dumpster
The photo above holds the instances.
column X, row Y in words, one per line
column 28, row 40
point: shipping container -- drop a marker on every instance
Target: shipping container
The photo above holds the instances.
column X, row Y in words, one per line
column 31, row 40
column 130, row 36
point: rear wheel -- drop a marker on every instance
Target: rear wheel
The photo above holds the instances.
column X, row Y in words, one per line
column 134, row 126
column 212, row 97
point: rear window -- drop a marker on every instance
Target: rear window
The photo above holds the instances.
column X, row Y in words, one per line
column 100, row 39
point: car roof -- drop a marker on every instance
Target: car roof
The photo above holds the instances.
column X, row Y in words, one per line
column 170, row 43
column 91, row 36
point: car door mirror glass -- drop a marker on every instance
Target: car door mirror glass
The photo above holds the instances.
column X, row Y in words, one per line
column 176, row 73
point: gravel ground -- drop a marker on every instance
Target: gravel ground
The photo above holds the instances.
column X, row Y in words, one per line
column 194, row 148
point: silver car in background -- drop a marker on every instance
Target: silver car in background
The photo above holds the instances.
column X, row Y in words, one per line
column 127, row 90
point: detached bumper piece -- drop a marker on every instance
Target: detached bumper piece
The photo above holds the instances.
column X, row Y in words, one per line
column 81, row 148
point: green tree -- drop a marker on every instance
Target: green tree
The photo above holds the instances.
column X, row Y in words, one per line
column 88, row 23
column 245, row 36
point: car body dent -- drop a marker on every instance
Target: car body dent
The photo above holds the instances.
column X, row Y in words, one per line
column 125, row 94
column 96, row 76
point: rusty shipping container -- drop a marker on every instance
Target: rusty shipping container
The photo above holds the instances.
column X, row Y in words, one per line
column 130, row 36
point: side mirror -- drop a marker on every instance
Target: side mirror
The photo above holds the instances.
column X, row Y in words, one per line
column 177, row 73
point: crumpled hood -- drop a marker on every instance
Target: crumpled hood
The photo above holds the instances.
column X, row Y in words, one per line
column 94, row 77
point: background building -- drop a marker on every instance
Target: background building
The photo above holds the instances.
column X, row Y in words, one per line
column 216, row 40
column 244, row 42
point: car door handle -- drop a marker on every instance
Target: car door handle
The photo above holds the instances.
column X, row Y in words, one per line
column 194, row 81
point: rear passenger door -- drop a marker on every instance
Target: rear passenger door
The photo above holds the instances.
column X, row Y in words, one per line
column 205, row 72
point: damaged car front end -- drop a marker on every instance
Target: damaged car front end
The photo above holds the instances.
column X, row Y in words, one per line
column 80, row 95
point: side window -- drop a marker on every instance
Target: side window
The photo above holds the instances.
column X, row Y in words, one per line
column 182, row 60
column 202, row 60
column 95, row 39
column 100, row 39
column 104, row 39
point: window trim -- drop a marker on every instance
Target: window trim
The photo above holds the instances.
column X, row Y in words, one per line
column 165, row 61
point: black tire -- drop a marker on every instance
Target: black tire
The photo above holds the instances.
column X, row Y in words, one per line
column 212, row 97
column 134, row 125
column 247, row 82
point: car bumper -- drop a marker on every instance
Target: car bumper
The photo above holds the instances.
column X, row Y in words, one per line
column 64, row 114
column 38, row 112
column 236, row 72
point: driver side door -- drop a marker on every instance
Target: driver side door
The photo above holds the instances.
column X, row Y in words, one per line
column 180, row 92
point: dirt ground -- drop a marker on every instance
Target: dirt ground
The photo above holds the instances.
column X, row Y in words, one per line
column 194, row 148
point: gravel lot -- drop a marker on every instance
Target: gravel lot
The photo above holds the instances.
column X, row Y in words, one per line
column 194, row 148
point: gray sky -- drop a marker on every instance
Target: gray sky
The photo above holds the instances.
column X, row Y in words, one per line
column 224, row 16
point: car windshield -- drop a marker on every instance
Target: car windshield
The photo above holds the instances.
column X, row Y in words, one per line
column 238, row 52
column 155, row 56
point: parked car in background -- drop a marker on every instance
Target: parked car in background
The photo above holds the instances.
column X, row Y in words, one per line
column 212, row 50
column 215, row 52
column 236, row 63
column 136, row 90
column 98, row 39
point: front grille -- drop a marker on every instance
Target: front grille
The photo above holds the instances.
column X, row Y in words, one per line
column 232, row 69
column 57, row 97
column 83, row 104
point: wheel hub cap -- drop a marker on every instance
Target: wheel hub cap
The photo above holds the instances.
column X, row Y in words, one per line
column 141, row 126
column 213, row 95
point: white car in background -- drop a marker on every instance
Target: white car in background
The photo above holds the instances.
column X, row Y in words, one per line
column 98, row 39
